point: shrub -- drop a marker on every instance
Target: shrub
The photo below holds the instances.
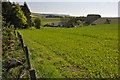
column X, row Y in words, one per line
column 79, row 23
column 37, row 22
column 31, row 28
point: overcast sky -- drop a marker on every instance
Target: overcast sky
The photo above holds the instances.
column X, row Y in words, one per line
column 106, row 8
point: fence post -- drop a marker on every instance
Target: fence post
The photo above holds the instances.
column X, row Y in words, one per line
column 27, row 56
column 32, row 74
column 25, row 49
column 21, row 40
column 18, row 34
column 14, row 32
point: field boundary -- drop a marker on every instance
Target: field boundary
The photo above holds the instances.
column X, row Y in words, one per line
column 26, row 51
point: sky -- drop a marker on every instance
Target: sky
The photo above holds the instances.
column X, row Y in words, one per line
column 66, row 0
column 106, row 8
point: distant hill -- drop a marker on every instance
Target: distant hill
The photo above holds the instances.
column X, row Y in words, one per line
column 91, row 19
column 47, row 15
column 103, row 20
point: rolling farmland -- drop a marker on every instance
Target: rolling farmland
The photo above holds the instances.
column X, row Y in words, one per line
column 45, row 20
column 103, row 20
column 85, row 52
column 50, row 20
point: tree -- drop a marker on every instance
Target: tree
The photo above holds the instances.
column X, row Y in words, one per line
column 13, row 14
column 37, row 22
column 7, row 11
column 27, row 13
column 68, row 22
column 19, row 20
column 79, row 23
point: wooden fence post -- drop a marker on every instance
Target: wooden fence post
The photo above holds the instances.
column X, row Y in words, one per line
column 27, row 56
column 25, row 49
column 14, row 32
column 21, row 40
column 32, row 74
column 18, row 34
column 32, row 71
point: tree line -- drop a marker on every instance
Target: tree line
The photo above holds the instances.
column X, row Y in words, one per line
column 18, row 15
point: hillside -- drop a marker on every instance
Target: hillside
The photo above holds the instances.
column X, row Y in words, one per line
column 86, row 52
column 44, row 15
column 103, row 20
column 91, row 19
column 45, row 20
column 35, row 45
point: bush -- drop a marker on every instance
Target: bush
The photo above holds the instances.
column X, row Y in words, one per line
column 37, row 22
column 79, row 23
column 32, row 28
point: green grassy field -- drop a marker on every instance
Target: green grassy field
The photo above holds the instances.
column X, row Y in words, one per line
column 46, row 20
column 50, row 20
column 84, row 52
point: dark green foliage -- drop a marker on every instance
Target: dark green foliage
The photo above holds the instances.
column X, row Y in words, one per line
column 11, row 50
column 70, row 22
column 83, row 21
column 37, row 22
column 7, row 11
column 12, row 17
column 27, row 13
column 16, row 15
column 7, row 31
column 53, row 16
column 79, row 23
column 19, row 20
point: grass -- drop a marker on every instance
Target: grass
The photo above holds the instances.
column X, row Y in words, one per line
column 50, row 20
column 86, row 52
column 46, row 20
